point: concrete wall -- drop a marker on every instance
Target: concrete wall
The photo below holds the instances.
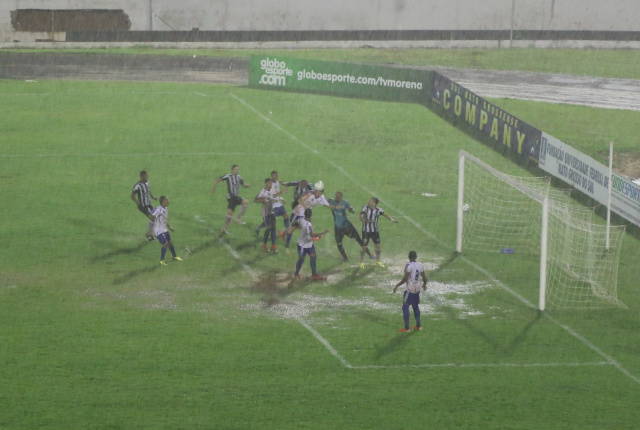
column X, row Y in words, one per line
column 291, row 15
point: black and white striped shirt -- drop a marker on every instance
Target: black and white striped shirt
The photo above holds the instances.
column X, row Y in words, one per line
column 142, row 191
column 233, row 184
column 370, row 223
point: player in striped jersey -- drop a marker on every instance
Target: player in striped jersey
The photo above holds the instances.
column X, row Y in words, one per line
column 141, row 196
column 412, row 273
column 161, row 228
column 369, row 216
column 234, row 182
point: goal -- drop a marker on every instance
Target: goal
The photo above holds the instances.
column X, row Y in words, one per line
column 507, row 214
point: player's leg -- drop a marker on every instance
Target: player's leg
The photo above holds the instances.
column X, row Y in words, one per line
column 353, row 234
column 339, row 235
column 375, row 237
column 301, row 256
column 171, row 248
column 405, row 310
column 271, row 227
column 416, row 310
column 162, row 238
column 312, row 260
column 262, row 225
column 364, row 246
column 292, row 227
column 147, row 210
column 231, row 206
column 243, row 208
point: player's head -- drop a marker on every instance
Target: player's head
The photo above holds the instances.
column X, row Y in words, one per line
column 274, row 175
column 338, row 196
column 235, row 169
column 267, row 183
column 144, row 176
column 164, row 201
column 413, row 255
column 308, row 213
column 373, row 202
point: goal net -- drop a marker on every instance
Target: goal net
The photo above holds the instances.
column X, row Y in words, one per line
column 507, row 214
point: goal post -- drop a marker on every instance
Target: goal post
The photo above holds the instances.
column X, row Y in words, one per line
column 505, row 214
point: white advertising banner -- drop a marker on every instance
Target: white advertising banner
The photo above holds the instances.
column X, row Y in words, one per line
column 590, row 177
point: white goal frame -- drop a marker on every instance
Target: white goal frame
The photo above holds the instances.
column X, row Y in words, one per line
column 542, row 199
column 578, row 255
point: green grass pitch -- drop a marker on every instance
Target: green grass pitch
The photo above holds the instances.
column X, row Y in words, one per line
column 95, row 334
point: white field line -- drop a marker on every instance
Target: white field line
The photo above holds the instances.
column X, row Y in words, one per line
column 607, row 358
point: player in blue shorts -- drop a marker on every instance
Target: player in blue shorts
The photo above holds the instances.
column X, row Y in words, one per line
column 161, row 229
column 413, row 271
column 306, row 246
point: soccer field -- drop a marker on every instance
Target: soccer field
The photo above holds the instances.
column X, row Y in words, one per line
column 96, row 334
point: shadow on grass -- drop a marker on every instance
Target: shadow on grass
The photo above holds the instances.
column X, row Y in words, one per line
column 350, row 276
column 121, row 251
column 134, row 273
column 392, row 345
column 270, row 285
column 488, row 337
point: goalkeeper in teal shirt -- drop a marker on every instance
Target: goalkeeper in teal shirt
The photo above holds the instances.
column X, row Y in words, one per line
column 342, row 225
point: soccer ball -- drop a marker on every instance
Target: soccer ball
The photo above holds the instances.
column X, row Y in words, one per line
column 466, row 207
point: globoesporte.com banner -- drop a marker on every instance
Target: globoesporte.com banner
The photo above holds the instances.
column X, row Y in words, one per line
column 339, row 79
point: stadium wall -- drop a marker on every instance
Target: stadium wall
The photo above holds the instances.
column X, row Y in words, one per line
column 602, row 19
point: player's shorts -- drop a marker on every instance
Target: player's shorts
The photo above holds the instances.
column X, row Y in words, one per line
column 145, row 209
column 411, row 299
column 279, row 211
column 350, row 231
column 373, row 235
column 295, row 220
column 233, row 201
column 304, row 251
column 270, row 221
column 164, row 237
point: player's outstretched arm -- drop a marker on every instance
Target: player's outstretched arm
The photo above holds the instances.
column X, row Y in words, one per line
column 390, row 218
column 215, row 184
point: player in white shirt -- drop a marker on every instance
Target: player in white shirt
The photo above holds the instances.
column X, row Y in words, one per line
column 278, row 206
column 307, row 201
column 267, row 198
column 413, row 271
column 161, row 229
column 306, row 246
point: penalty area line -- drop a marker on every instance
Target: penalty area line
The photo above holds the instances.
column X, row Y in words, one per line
column 345, row 363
